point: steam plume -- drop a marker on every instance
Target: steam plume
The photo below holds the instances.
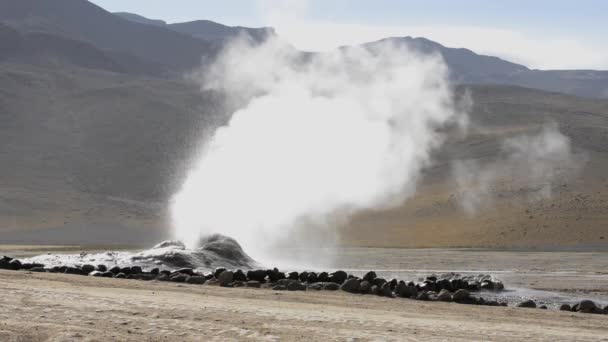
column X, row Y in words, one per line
column 316, row 138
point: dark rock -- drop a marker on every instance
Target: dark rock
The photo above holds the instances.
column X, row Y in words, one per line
column 163, row 277
column 198, row 280
column 145, row 276
column 38, row 269
column 369, row 276
column 26, row 266
column 386, row 290
column 115, row 270
column 365, row 287
column 303, row 276
column 481, row 301
column 253, row 283
column 88, row 268
column 225, row 278
column 167, row 272
column 487, row 285
column 565, row 307
column 209, row 275
column 293, row 276
column 351, row 285
column 338, row 277
column 178, row 277
column 75, row 270
column 323, row 277
column 544, row 307
column 239, row 275
column 444, row 284
column 375, row 290
column 259, row 275
column 404, row 291
column 296, row 286
column 126, row 270
column 96, row 274
column 107, row 274
column 155, row 271
column 63, row 268
column 585, row 306
column 136, row 270
column 15, row 264
column 218, row 271
column 102, row 268
column 473, row 286
column 393, row 283
column 331, row 287
column 279, row 288
column 312, row 278
column 187, row 271
column 461, row 295
column 422, row 295
column 316, row 286
column 379, row 282
column 120, row 276
column 527, row 304
column 444, row 296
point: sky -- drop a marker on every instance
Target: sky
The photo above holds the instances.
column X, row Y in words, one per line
column 541, row 34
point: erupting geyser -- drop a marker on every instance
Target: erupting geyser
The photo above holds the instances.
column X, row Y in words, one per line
column 316, row 139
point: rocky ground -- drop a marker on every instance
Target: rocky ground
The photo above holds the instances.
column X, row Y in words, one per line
column 62, row 307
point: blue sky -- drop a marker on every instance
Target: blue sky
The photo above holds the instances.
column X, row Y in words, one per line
column 538, row 33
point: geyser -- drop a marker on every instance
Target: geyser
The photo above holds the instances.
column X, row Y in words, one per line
column 316, row 138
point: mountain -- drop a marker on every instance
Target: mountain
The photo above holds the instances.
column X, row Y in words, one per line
column 212, row 31
column 81, row 20
column 468, row 67
column 140, row 19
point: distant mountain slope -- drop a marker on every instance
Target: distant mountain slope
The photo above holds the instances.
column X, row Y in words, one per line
column 204, row 29
column 140, row 19
column 82, row 20
column 468, row 67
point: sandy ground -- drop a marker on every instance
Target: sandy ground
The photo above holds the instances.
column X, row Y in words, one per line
column 56, row 307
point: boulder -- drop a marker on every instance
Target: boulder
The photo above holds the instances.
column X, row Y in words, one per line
column 323, row 277
column 422, row 295
column 115, row 270
column 253, row 283
column 136, row 270
column 88, row 268
column 126, row 270
column 331, row 287
column 303, row 276
column 316, row 286
column 296, row 286
column 198, row 280
column 543, row 307
column 404, row 291
column 445, row 296
column 279, row 288
column 393, row 283
column 15, row 264
column 187, row 271
column 386, row 290
column 96, row 274
column 239, row 275
column 107, row 274
column 585, row 306
column 75, row 270
column 526, row 304
column 369, row 276
column 461, row 295
column 565, row 307
column 379, row 282
column 375, row 290
column 178, row 277
column 162, row 277
column 293, row 276
column 444, row 284
column 365, row 287
column 102, row 268
column 487, row 285
column 225, row 278
column 259, row 275
column 120, row 276
column 338, row 277
column 218, row 271
column 312, row 278
column 351, row 285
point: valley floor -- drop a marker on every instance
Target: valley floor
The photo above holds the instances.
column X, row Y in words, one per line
column 57, row 307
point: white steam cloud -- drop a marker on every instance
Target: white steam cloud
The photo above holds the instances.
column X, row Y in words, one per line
column 535, row 162
column 318, row 137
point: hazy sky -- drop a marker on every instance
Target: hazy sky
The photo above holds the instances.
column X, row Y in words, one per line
column 547, row 34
